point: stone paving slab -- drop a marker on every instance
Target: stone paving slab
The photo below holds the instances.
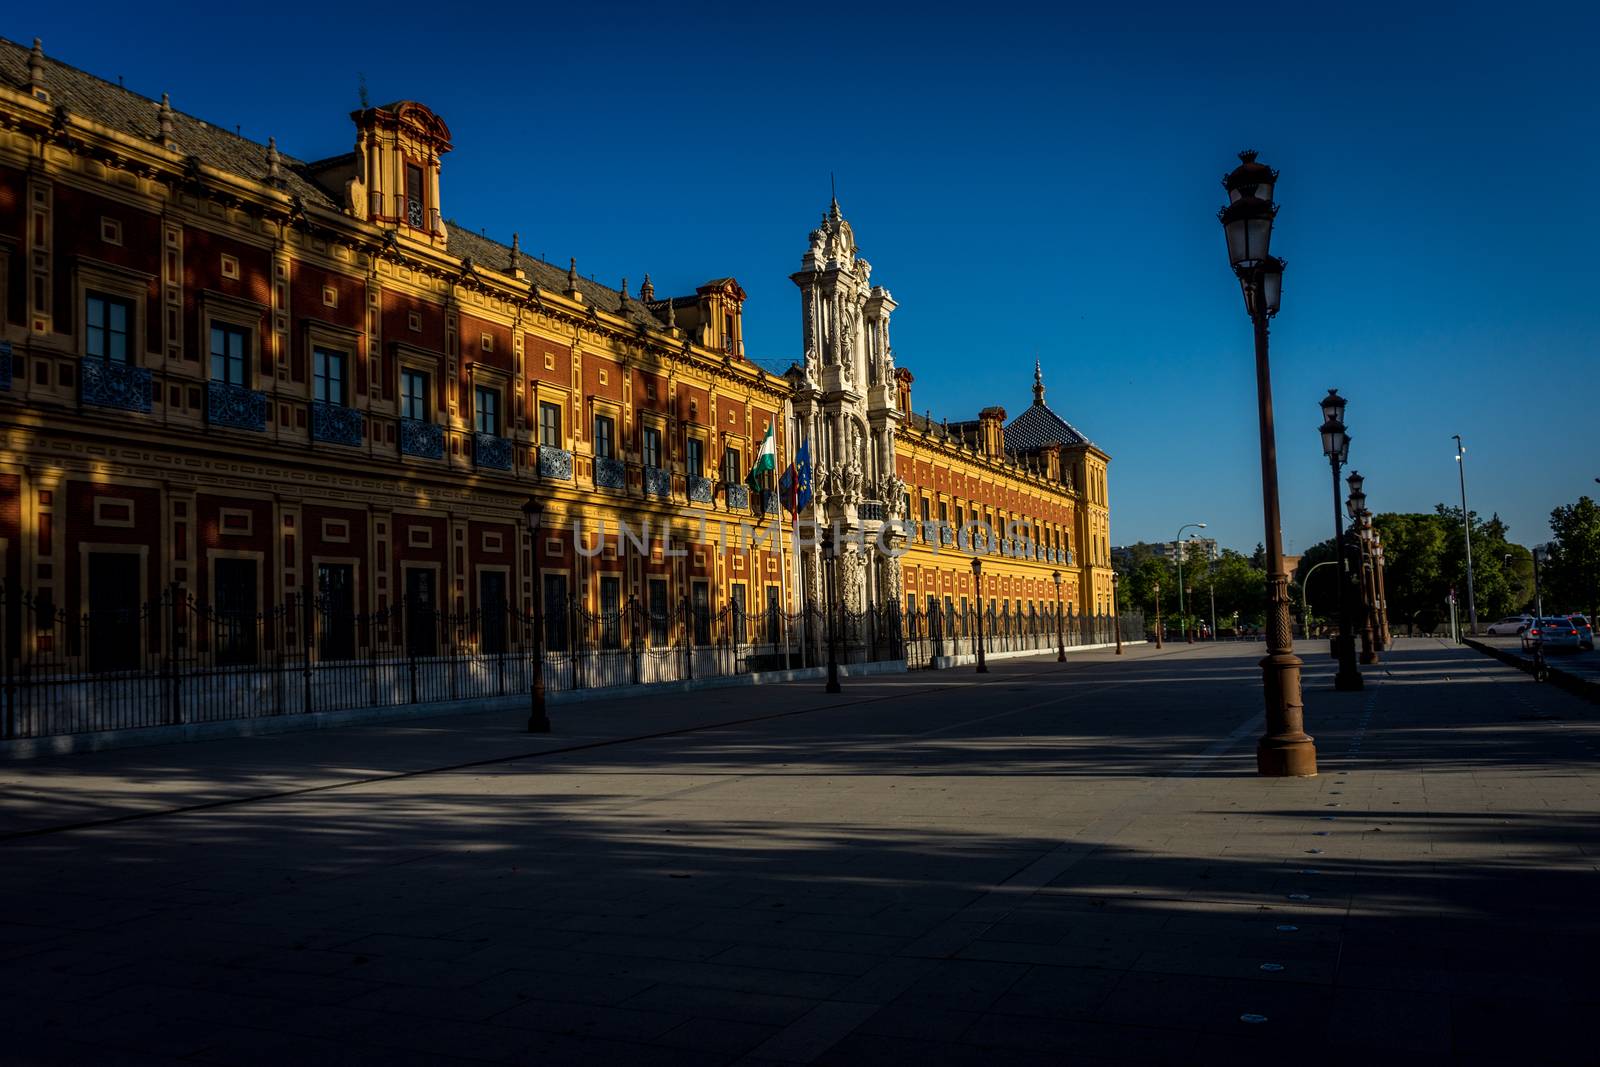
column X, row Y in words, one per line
column 1049, row 863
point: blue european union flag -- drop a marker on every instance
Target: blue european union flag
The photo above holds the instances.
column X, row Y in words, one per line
column 794, row 487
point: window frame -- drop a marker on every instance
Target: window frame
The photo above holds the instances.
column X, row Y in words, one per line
column 480, row 390
column 605, row 443
column 324, row 361
column 555, row 407
column 406, row 396
column 228, row 329
column 109, row 301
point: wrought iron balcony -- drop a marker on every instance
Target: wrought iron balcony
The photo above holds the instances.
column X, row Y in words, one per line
column 555, row 463
column 235, row 406
column 769, row 501
column 657, row 482
column 737, row 496
column 112, row 385
column 870, row 509
column 5, row 365
column 419, row 438
column 491, row 451
column 700, row 488
column 610, row 473
column 337, row 424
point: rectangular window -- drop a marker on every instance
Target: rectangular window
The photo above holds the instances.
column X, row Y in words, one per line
column 774, row 615
column 605, row 429
column 610, row 611
column 414, row 395
column 109, row 322
column 651, row 447
column 731, row 474
column 736, row 614
column 486, row 410
column 555, row 612
column 414, row 202
column 702, row 613
column 230, row 354
column 327, row 376
column 695, row 457
column 550, row 424
column 660, row 611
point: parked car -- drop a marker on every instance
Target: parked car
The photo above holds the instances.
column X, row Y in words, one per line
column 1510, row 626
column 1585, row 632
column 1551, row 633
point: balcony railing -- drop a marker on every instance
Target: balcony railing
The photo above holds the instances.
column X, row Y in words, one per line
column 5, row 365
column 419, row 438
column 491, row 451
column 555, row 463
column 737, row 496
column 610, row 473
column 337, row 424
column 657, row 482
column 112, row 385
column 701, row 490
column 235, row 406
column 871, row 510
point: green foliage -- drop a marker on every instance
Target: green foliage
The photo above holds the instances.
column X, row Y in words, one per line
column 1571, row 576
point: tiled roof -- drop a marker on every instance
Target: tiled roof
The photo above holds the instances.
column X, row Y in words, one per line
column 1039, row 426
column 487, row 252
column 138, row 116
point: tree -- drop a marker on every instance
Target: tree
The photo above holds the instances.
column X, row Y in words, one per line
column 1572, row 575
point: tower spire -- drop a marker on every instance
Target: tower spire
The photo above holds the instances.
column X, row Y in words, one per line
column 1038, row 383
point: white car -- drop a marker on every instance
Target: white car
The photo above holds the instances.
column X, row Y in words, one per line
column 1551, row 633
column 1510, row 626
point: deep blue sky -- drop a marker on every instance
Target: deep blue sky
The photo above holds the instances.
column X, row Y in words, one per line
column 1031, row 181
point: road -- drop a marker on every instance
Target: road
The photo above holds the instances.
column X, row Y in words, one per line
column 1047, row 864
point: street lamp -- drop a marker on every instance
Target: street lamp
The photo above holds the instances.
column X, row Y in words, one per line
column 1285, row 748
column 977, row 585
column 538, row 718
column 1466, row 527
column 1061, row 642
column 1178, row 551
column 1336, row 446
column 1356, row 504
column 1116, row 616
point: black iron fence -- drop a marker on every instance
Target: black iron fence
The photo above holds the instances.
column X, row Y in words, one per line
column 936, row 632
column 176, row 660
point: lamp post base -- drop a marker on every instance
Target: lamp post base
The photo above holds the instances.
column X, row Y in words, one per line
column 1286, row 757
column 538, row 719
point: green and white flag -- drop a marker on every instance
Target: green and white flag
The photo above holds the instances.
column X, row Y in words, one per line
column 760, row 477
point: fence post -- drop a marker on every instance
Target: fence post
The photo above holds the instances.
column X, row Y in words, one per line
column 308, row 622
column 688, row 640
column 574, row 639
column 173, row 607
column 411, row 620
column 633, row 635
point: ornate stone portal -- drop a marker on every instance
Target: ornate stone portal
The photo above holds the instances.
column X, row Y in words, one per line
column 844, row 404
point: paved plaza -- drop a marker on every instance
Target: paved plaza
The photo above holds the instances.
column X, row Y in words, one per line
column 1052, row 863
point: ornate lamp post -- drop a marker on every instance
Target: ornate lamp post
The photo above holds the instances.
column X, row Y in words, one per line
column 1336, row 446
column 538, row 719
column 1356, row 505
column 1061, row 642
column 1285, row 748
column 977, row 586
column 1178, row 552
column 1116, row 615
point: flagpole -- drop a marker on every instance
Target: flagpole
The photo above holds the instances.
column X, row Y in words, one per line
column 783, row 568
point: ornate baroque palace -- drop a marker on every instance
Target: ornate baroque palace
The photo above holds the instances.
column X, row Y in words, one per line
column 242, row 380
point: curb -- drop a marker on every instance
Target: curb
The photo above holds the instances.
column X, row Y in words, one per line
column 1563, row 679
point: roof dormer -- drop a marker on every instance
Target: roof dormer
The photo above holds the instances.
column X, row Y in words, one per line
column 396, row 173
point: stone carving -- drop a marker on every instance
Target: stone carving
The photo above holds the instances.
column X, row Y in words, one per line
column 850, row 480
